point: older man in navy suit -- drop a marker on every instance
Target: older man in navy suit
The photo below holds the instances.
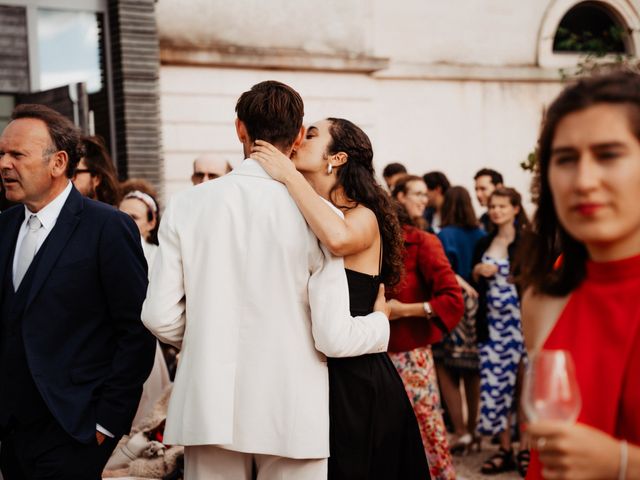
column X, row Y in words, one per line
column 73, row 352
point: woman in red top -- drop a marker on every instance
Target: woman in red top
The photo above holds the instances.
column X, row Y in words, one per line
column 425, row 305
column 588, row 186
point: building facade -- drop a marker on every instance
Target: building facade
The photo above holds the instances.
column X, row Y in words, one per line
column 450, row 86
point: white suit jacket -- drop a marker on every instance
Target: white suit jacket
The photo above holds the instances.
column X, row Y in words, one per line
column 241, row 284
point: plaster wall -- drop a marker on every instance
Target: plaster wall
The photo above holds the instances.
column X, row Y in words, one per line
column 198, row 109
column 460, row 127
column 474, row 32
column 329, row 26
column 455, row 127
column 451, row 86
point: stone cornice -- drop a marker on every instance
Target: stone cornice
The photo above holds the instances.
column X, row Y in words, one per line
column 378, row 67
column 277, row 59
column 480, row 73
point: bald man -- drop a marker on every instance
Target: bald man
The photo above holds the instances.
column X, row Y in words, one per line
column 208, row 167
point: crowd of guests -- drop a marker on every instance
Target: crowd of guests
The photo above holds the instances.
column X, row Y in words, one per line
column 569, row 276
column 477, row 359
column 469, row 301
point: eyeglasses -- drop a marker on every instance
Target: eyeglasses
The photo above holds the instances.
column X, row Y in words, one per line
column 419, row 195
column 82, row 170
column 201, row 175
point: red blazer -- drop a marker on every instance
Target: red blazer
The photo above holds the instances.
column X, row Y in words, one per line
column 428, row 277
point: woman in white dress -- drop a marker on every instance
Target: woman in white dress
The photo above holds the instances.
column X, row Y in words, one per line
column 143, row 209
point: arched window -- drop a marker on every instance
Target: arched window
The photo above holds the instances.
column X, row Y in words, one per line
column 570, row 29
column 591, row 27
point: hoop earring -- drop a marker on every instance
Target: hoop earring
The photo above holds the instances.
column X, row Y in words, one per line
column 329, row 169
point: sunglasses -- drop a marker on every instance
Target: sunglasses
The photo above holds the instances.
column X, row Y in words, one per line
column 201, row 175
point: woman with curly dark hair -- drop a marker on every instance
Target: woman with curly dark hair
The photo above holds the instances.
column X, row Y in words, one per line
column 373, row 430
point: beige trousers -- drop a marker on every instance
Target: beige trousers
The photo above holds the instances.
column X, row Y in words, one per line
column 208, row 462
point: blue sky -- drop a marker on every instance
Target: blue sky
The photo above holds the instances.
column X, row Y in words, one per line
column 68, row 49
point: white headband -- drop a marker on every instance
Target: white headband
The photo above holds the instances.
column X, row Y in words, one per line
column 145, row 198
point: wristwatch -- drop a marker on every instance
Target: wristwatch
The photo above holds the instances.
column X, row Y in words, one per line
column 427, row 309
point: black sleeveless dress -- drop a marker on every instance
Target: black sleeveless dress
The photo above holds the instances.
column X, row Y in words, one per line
column 373, row 430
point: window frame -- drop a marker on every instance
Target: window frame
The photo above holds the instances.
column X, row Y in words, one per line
column 95, row 6
column 32, row 6
column 619, row 9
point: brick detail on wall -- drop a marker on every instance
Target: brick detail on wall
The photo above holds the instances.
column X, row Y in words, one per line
column 14, row 50
column 135, row 60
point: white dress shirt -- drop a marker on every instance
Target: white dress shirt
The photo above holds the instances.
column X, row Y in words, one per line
column 47, row 216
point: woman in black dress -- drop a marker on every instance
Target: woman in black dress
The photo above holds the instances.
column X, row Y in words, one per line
column 373, row 430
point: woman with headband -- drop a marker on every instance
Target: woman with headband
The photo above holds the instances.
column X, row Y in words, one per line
column 140, row 204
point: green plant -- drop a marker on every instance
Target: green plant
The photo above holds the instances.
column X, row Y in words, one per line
column 599, row 44
column 529, row 165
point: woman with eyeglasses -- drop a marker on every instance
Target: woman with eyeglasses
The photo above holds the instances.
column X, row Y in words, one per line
column 424, row 307
column 96, row 177
column 588, row 184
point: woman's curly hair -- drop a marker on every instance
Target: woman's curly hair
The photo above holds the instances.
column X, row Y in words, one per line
column 357, row 179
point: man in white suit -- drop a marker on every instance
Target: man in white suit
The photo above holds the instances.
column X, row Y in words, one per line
column 242, row 286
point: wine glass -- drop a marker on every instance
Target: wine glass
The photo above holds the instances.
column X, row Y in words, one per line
column 550, row 390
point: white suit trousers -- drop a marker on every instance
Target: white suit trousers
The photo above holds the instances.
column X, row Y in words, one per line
column 208, row 462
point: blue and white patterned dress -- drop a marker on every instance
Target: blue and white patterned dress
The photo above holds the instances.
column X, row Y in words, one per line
column 501, row 354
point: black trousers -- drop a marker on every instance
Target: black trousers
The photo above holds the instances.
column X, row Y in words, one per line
column 43, row 450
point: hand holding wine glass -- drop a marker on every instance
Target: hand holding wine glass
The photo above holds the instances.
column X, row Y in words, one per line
column 551, row 400
column 550, row 390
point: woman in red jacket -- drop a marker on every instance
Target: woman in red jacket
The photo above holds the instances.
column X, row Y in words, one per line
column 426, row 305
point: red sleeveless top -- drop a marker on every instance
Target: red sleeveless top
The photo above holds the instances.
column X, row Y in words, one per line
column 600, row 326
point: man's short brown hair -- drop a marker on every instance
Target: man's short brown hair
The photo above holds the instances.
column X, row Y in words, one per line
column 271, row 111
column 64, row 134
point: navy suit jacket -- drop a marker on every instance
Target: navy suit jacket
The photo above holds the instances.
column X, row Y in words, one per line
column 87, row 350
